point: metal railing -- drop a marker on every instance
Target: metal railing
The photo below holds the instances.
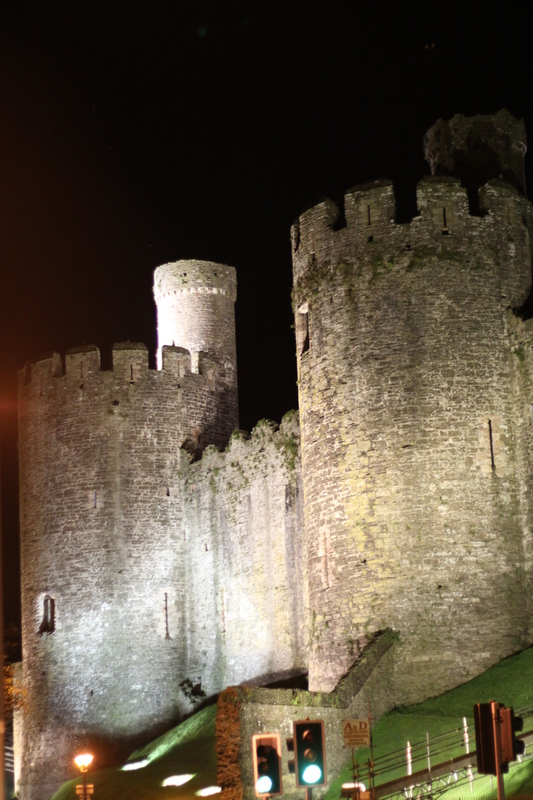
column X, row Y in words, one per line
column 440, row 773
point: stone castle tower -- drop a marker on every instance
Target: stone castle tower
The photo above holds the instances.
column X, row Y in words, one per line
column 415, row 414
column 147, row 558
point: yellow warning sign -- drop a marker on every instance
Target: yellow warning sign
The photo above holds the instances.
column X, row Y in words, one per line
column 356, row 732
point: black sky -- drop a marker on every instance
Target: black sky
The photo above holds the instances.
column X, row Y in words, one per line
column 135, row 133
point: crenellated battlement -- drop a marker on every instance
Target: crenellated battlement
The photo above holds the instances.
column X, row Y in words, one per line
column 372, row 233
column 194, row 389
column 130, row 366
column 130, row 360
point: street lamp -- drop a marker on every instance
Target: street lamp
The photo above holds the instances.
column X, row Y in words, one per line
column 83, row 762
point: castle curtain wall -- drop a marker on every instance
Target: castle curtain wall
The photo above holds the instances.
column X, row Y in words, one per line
column 243, row 524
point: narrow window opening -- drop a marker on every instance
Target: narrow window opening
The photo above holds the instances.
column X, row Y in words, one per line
column 95, row 501
column 305, row 346
column 491, row 446
column 303, row 326
column 48, row 621
column 445, row 230
column 81, row 369
column 40, row 386
column 206, row 547
column 168, row 491
column 167, row 632
column 370, row 239
column 131, row 374
column 369, row 217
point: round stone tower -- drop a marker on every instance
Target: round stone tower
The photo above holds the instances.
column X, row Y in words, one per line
column 195, row 310
column 104, row 610
column 414, row 488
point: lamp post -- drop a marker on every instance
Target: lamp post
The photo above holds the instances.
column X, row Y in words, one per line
column 84, row 761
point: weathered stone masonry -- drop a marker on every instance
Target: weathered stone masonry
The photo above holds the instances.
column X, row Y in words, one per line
column 158, row 570
column 415, row 439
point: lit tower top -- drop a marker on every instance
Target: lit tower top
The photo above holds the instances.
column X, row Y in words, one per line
column 196, row 310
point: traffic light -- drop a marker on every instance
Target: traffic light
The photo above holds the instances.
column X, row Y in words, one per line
column 511, row 747
column 309, row 753
column 486, row 751
column 496, row 742
column 266, row 753
column 290, row 749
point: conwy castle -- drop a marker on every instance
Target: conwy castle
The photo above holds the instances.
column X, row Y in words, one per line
column 379, row 540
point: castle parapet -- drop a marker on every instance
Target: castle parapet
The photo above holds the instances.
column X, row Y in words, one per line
column 82, row 361
column 504, row 204
column 442, row 203
column 314, row 222
column 370, row 206
column 176, row 361
column 130, row 364
column 372, row 236
column 130, row 360
column 41, row 369
column 370, row 214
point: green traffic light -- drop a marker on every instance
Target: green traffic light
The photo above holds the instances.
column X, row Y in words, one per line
column 264, row 784
column 312, row 773
column 310, row 752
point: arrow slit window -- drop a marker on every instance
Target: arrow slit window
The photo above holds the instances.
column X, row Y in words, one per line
column 48, row 618
column 302, row 328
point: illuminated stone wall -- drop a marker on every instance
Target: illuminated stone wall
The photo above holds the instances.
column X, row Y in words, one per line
column 417, row 490
column 173, row 570
column 243, row 517
column 521, row 340
column 156, row 568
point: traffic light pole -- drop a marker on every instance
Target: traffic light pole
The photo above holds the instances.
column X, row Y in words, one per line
column 308, row 793
column 497, row 749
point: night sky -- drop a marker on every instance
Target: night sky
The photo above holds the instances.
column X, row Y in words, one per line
column 136, row 133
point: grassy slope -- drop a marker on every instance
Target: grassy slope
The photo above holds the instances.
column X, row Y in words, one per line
column 510, row 682
column 189, row 748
